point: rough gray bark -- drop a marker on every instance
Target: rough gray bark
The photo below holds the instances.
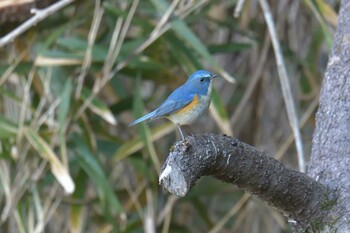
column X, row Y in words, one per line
column 303, row 200
column 330, row 157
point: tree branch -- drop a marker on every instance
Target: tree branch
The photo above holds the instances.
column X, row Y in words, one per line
column 296, row 195
column 39, row 15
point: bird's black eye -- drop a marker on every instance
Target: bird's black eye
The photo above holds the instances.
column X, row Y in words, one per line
column 202, row 79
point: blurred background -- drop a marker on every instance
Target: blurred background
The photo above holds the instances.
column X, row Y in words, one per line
column 71, row 84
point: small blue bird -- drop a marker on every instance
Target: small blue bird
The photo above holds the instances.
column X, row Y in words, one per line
column 187, row 103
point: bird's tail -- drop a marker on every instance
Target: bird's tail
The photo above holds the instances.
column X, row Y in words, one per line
column 146, row 117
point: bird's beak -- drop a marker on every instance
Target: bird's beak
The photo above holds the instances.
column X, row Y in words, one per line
column 213, row 76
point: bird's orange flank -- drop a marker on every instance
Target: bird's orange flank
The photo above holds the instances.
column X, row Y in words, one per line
column 190, row 106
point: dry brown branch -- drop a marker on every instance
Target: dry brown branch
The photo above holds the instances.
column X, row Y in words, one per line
column 39, row 15
column 286, row 90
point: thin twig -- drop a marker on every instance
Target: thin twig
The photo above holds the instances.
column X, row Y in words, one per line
column 238, row 8
column 149, row 214
column 24, row 106
column 303, row 121
column 183, row 12
column 218, row 227
column 116, row 49
column 134, row 200
column 96, row 21
column 165, row 18
column 112, row 45
column 12, row 67
column 51, row 203
column 166, row 213
column 12, row 194
column 39, row 15
column 286, row 90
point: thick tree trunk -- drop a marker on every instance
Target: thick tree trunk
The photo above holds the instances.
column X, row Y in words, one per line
column 330, row 158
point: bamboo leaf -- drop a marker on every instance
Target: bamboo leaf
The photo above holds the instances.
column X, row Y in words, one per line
column 96, row 173
column 328, row 12
column 228, row 47
column 314, row 7
column 78, row 212
column 99, row 108
column 62, row 116
column 7, row 128
column 57, row 168
column 65, row 102
column 144, row 131
column 136, row 144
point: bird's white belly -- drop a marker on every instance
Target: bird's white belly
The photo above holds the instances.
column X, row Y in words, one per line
column 191, row 115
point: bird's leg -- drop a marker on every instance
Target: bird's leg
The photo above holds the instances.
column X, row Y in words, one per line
column 189, row 129
column 182, row 136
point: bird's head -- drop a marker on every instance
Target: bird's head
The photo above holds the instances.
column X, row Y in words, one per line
column 200, row 81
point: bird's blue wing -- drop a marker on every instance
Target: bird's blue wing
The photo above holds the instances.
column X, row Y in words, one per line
column 176, row 101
